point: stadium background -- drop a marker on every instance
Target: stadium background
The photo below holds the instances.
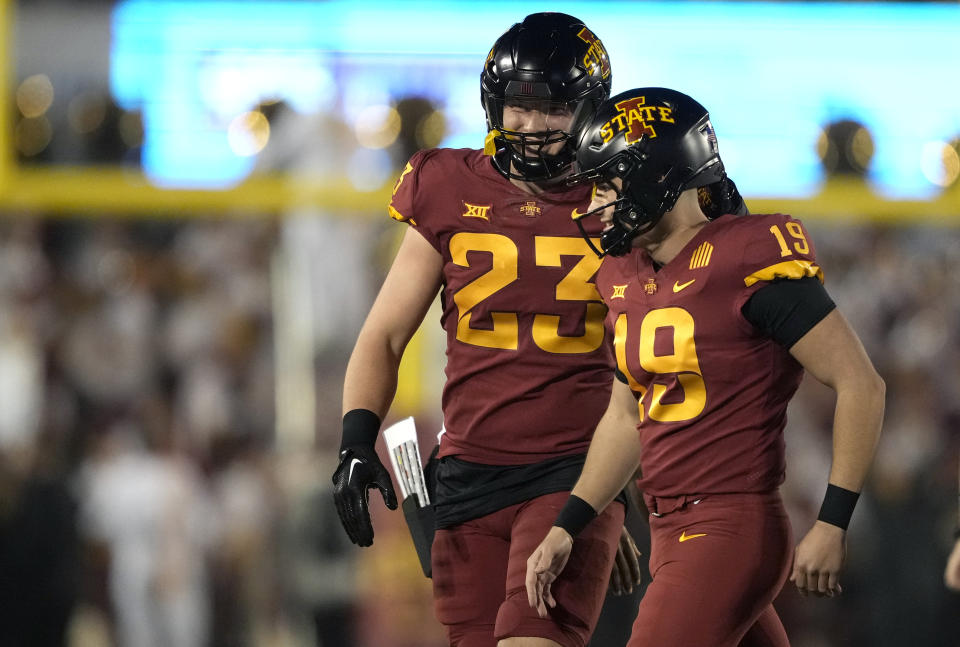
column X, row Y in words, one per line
column 193, row 225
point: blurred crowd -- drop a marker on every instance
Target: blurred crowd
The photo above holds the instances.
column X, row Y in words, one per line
column 896, row 286
column 145, row 500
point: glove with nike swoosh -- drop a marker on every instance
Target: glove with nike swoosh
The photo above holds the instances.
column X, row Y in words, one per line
column 359, row 470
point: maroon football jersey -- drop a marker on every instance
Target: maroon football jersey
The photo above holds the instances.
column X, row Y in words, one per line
column 529, row 365
column 712, row 390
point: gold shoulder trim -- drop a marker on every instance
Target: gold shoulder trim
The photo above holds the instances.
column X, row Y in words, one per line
column 785, row 270
column 396, row 215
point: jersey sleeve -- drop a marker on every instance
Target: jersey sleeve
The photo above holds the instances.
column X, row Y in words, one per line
column 786, row 310
column 776, row 247
column 408, row 203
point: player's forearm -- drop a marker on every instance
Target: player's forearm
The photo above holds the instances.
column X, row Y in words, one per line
column 371, row 378
column 611, row 461
column 856, row 430
column 832, row 352
column 407, row 292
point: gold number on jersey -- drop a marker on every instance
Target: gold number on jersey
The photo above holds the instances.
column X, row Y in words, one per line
column 795, row 231
column 575, row 286
column 682, row 362
column 619, row 347
column 502, row 272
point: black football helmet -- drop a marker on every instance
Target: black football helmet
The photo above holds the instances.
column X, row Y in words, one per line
column 659, row 142
column 553, row 59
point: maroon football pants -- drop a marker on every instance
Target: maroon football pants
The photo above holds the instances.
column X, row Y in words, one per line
column 717, row 564
column 480, row 568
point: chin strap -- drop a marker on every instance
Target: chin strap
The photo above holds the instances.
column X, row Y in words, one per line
column 490, row 144
column 586, row 237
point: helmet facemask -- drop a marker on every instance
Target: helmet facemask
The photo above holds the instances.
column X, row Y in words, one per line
column 636, row 209
column 551, row 63
column 540, row 144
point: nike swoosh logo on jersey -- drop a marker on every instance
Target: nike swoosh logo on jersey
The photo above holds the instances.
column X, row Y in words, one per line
column 353, row 464
column 677, row 285
column 684, row 536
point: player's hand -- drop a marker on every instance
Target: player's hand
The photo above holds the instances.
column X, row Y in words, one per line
column 544, row 566
column 951, row 576
column 818, row 559
column 626, row 573
column 359, row 470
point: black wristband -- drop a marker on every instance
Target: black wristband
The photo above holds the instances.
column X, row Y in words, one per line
column 360, row 427
column 838, row 505
column 575, row 515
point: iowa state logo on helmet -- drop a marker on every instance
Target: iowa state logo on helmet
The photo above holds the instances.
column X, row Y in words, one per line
column 596, row 56
column 635, row 119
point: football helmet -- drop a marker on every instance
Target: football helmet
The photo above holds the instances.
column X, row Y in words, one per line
column 659, row 142
column 550, row 62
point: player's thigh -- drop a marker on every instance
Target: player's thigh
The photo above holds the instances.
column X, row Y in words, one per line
column 580, row 589
column 716, row 567
column 767, row 631
column 469, row 564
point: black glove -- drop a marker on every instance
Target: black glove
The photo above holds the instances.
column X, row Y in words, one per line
column 359, row 470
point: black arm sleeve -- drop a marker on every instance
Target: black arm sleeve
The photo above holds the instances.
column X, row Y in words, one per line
column 787, row 309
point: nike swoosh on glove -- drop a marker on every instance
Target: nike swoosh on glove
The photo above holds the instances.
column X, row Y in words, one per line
column 359, row 470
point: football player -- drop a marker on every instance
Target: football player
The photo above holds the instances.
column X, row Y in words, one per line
column 714, row 323
column 529, row 364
